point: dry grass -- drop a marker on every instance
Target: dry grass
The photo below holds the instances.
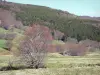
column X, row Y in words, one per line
column 61, row 65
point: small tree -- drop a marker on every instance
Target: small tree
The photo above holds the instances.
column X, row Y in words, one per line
column 33, row 48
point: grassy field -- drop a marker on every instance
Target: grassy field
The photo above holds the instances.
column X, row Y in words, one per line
column 60, row 65
column 2, row 30
column 2, row 43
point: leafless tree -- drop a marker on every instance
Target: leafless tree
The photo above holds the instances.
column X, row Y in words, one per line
column 33, row 48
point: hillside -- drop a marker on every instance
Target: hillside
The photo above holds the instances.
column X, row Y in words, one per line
column 70, row 24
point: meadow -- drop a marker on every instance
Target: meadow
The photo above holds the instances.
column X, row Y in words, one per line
column 56, row 64
column 68, row 24
column 59, row 65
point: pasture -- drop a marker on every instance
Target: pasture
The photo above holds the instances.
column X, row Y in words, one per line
column 59, row 65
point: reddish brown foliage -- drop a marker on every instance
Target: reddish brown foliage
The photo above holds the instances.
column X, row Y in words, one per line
column 71, row 48
column 75, row 49
column 52, row 48
column 34, row 47
column 36, row 27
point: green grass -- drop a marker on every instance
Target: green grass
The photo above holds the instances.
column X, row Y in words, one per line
column 73, row 61
column 3, row 30
column 60, row 65
column 4, row 52
column 67, row 71
column 2, row 43
column 16, row 30
column 19, row 31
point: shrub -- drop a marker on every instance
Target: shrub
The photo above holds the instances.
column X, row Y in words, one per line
column 33, row 48
column 74, row 49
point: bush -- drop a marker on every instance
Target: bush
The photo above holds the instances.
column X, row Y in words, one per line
column 33, row 48
column 73, row 49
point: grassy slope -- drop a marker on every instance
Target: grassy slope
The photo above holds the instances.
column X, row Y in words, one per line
column 3, row 30
column 3, row 51
column 61, row 65
column 2, row 43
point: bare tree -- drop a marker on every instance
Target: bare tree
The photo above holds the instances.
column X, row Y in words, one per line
column 33, row 48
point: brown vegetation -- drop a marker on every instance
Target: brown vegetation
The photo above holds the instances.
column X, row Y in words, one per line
column 7, row 18
column 33, row 48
